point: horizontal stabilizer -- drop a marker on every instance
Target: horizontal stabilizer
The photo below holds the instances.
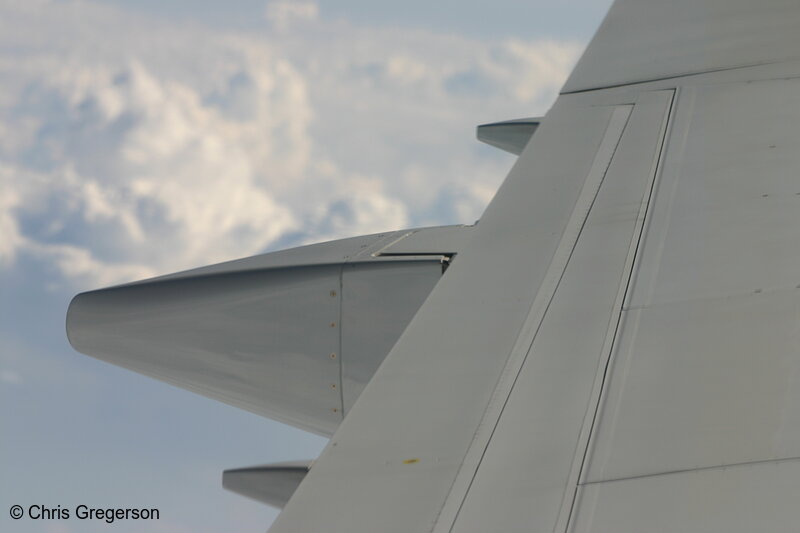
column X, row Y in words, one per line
column 271, row 484
column 509, row 135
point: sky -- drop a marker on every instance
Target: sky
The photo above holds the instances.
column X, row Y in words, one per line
column 141, row 138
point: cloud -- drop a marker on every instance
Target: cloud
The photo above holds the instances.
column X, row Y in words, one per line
column 129, row 148
column 137, row 168
column 9, row 229
column 283, row 13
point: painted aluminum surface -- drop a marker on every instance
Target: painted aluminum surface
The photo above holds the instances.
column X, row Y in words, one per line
column 293, row 335
column 511, row 135
column 271, row 484
column 634, row 367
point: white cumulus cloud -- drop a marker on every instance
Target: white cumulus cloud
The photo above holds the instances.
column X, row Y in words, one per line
column 129, row 148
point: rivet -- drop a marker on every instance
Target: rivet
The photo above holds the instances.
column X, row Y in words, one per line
column 333, row 293
column 335, row 410
column 333, row 324
column 410, row 461
column 333, row 385
column 333, row 356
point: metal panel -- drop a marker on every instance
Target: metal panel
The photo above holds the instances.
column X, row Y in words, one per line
column 402, row 444
column 378, row 302
column 323, row 253
column 726, row 217
column 535, row 451
column 265, row 333
column 442, row 240
column 643, row 40
column 743, row 498
column 702, row 383
column 271, row 484
column 258, row 340
column 510, row 135
column 705, row 371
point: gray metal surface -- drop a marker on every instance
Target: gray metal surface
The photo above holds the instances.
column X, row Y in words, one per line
column 660, row 387
column 416, row 241
column 378, row 301
column 706, row 370
column 745, row 498
column 402, row 445
column 442, row 240
column 727, row 217
column 643, row 40
column 699, row 384
column 259, row 340
column 271, row 484
column 293, row 335
column 572, row 342
column 509, row 135
column 325, row 253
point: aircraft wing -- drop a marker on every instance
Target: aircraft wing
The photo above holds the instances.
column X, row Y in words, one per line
column 617, row 347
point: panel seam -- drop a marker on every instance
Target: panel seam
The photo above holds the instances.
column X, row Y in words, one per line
column 340, row 329
column 689, row 470
column 566, row 514
column 453, row 504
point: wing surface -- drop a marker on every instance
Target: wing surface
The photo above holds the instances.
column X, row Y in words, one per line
column 698, row 428
column 617, row 347
column 646, row 40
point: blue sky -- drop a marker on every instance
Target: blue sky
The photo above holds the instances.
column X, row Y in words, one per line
column 139, row 138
